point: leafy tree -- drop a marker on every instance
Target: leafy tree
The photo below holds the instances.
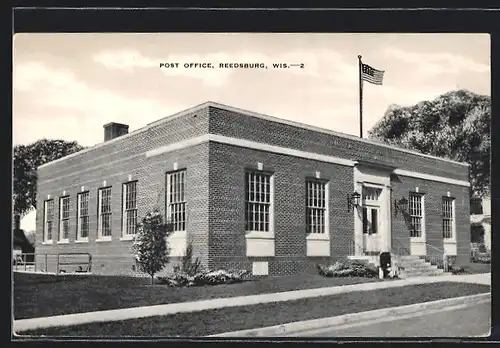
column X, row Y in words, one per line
column 30, row 236
column 455, row 125
column 150, row 246
column 26, row 160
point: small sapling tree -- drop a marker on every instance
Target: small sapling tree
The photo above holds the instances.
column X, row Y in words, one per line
column 150, row 246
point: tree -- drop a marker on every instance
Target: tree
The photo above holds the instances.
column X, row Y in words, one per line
column 455, row 125
column 150, row 246
column 30, row 236
column 27, row 158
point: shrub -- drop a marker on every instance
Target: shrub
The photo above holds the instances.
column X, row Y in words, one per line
column 222, row 277
column 481, row 258
column 177, row 279
column 204, row 278
column 188, row 266
column 348, row 268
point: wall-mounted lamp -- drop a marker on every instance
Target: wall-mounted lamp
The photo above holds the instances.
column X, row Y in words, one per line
column 353, row 200
column 401, row 205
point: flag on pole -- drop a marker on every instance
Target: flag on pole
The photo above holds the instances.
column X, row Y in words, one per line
column 372, row 75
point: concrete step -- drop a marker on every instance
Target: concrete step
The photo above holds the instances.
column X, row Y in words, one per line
column 408, row 257
column 411, row 263
column 427, row 273
column 419, row 270
column 409, row 276
column 417, row 267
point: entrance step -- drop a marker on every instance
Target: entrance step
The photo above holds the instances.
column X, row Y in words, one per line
column 409, row 257
column 408, row 265
column 414, row 273
column 416, row 266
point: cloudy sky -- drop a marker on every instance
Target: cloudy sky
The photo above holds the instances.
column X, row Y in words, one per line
column 67, row 86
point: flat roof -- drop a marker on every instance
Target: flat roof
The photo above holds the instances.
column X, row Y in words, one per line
column 257, row 115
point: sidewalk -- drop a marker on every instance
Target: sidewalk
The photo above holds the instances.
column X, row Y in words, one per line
column 174, row 308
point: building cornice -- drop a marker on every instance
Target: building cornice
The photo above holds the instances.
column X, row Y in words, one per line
column 209, row 104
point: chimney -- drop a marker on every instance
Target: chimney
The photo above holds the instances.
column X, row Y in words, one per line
column 114, row 130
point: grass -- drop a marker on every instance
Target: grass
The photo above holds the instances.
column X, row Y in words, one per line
column 476, row 268
column 247, row 317
column 39, row 295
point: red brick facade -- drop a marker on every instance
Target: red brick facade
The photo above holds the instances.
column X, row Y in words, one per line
column 215, row 188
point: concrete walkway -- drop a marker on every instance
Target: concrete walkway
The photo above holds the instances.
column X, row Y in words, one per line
column 174, row 308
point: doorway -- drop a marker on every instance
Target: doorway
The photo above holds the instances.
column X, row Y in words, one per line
column 371, row 219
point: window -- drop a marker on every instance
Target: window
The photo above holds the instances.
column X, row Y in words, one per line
column 83, row 216
column 176, row 200
column 415, row 211
column 104, row 213
column 447, row 210
column 48, row 220
column 316, row 206
column 257, row 201
column 64, row 203
column 129, row 208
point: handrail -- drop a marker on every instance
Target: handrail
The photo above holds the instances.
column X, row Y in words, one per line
column 434, row 247
column 40, row 261
column 59, row 263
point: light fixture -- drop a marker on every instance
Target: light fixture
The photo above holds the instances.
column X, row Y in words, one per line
column 353, row 200
column 401, row 205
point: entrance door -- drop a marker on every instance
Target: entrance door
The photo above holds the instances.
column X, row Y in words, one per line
column 371, row 228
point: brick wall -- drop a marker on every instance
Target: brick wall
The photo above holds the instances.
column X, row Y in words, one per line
column 434, row 192
column 241, row 126
column 215, row 189
column 227, row 208
column 114, row 163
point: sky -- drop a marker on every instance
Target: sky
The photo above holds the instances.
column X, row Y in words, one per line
column 67, row 86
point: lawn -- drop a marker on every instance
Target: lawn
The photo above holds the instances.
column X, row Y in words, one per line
column 39, row 295
column 247, row 317
column 476, row 268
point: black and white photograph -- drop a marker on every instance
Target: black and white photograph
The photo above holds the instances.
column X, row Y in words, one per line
column 243, row 185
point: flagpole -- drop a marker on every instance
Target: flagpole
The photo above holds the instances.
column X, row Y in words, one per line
column 360, row 98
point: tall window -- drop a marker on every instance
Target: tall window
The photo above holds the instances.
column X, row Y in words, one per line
column 447, row 210
column 316, row 206
column 64, row 203
column 48, row 220
column 257, row 201
column 176, row 199
column 104, row 207
column 415, row 211
column 83, row 216
column 129, row 208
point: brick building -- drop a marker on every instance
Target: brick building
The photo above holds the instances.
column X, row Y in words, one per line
column 251, row 191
